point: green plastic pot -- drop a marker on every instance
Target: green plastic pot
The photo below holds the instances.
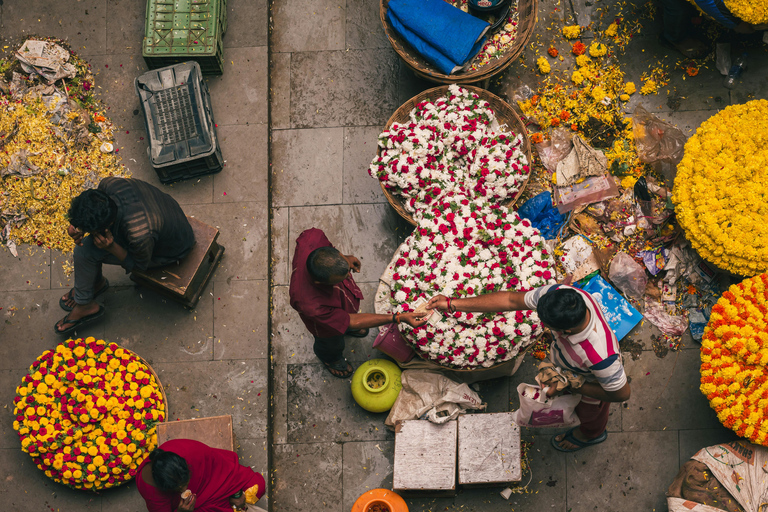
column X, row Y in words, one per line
column 376, row 384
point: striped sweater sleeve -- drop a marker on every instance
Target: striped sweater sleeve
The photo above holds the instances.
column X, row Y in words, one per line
column 610, row 373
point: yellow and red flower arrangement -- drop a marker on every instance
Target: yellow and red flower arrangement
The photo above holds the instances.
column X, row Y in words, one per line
column 86, row 412
column 734, row 356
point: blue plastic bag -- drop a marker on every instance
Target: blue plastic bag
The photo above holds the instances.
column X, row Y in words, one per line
column 543, row 215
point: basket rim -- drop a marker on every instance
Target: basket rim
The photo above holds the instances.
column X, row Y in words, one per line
column 155, row 375
column 510, row 118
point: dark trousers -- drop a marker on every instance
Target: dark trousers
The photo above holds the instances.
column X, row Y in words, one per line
column 593, row 417
column 329, row 350
column 677, row 16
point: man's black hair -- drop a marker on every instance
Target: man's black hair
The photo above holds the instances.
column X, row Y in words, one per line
column 326, row 262
column 562, row 308
column 169, row 470
column 92, row 211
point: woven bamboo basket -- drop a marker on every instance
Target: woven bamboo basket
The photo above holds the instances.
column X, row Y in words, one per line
column 504, row 113
column 526, row 21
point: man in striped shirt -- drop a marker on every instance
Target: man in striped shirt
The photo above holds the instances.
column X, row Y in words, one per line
column 583, row 343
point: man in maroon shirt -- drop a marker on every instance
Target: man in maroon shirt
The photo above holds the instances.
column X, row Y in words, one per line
column 324, row 293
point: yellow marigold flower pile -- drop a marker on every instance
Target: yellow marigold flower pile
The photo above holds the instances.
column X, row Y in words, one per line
column 597, row 49
column 86, row 413
column 571, row 31
column 734, row 356
column 543, row 65
column 721, row 187
column 751, row 11
column 649, row 87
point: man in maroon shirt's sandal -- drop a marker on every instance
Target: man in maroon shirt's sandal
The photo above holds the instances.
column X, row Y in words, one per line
column 324, row 293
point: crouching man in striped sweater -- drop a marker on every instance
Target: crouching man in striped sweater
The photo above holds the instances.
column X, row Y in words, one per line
column 583, row 343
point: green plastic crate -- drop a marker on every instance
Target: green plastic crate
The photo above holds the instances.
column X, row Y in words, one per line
column 181, row 30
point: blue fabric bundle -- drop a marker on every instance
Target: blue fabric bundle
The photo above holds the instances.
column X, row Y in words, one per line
column 444, row 35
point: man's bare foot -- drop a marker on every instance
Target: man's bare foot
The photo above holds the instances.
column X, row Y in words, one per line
column 78, row 312
column 561, row 441
column 67, row 302
column 574, row 440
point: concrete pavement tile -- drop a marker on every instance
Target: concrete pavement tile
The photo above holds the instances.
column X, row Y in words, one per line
column 689, row 121
column 280, row 404
column 371, row 232
column 321, row 408
column 29, row 271
column 408, row 86
column 307, row 25
column 281, row 266
column 280, row 81
column 9, row 380
column 125, row 26
column 240, row 95
column 125, row 498
column 343, row 88
column 360, row 144
column 211, row 388
column 114, row 76
column 236, row 337
column 59, row 280
column 244, row 176
column 158, row 329
column 243, row 233
column 26, row 326
column 291, row 342
column 82, row 24
column 754, row 81
column 366, row 465
column 252, row 452
column 307, row 475
column 691, row 441
column 495, row 393
column 665, row 394
column 24, row 487
column 363, row 25
column 246, row 24
column 620, row 474
column 307, row 167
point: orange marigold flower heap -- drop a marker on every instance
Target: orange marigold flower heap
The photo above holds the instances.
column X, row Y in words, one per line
column 578, row 48
column 86, row 412
column 734, row 357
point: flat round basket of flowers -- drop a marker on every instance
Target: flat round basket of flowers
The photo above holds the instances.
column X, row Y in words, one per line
column 503, row 45
column 461, row 248
column 720, row 189
column 754, row 12
column 452, row 139
column 734, row 359
column 87, row 413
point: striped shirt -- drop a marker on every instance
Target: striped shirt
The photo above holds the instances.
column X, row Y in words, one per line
column 594, row 352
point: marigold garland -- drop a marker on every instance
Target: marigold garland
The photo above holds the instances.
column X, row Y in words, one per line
column 86, row 413
column 720, row 189
column 734, row 356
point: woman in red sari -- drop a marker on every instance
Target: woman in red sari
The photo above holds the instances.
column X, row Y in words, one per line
column 215, row 479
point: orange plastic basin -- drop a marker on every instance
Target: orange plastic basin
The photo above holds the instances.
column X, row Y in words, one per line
column 380, row 500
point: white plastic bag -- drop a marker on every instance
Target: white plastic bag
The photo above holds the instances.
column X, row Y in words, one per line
column 536, row 410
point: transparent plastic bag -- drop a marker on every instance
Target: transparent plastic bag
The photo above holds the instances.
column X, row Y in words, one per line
column 656, row 140
column 627, row 275
column 555, row 149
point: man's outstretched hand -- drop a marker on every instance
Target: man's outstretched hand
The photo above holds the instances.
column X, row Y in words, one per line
column 439, row 302
column 413, row 319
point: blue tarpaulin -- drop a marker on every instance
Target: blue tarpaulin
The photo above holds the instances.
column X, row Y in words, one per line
column 543, row 215
column 619, row 313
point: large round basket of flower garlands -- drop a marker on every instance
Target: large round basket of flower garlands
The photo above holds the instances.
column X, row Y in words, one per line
column 452, row 139
column 734, row 359
column 463, row 248
column 754, row 12
column 502, row 46
column 721, row 186
column 87, row 413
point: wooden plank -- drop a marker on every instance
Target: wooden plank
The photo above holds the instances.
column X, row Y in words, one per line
column 425, row 458
column 215, row 431
column 489, row 449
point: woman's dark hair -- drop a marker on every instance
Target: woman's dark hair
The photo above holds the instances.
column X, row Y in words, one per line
column 92, row 211
column 562, row 308
column 169, row 470
column 326, row 262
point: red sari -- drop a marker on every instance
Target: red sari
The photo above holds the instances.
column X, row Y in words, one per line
column 214, row 476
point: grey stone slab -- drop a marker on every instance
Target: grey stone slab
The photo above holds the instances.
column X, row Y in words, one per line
column 689, row 121
column 371, row 232
column 27, row 321
column 213, row 388
column 243, row 233
column 307, row 167
column 125, row 26
column 307, row 25
column 691, row 441
column 307, row 474
column 495, row 393
column 24, row 487
column 125, row 498
column 408, row 84
column 114, row 77
column 252, row 452
column 157, row 328
column 280, row 403
column 246, row 153
column 360, row 144
column 9, row 380
column 754, row 81
column 280, row 90
column 281, row 266
column 59, row 278
column 321, row 408
column 665, row 394
column 620, row 475
column 240, row 95
column 367, row 465
column 240, row 316
column 246, row 24
column 81, row 24
column 343, row 88
column 29, row 271
column 363, row 25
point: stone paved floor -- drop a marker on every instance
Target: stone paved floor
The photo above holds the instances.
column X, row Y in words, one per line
column 308, row 85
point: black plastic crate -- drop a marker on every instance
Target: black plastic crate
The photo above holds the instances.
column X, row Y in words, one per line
column 179, row 121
